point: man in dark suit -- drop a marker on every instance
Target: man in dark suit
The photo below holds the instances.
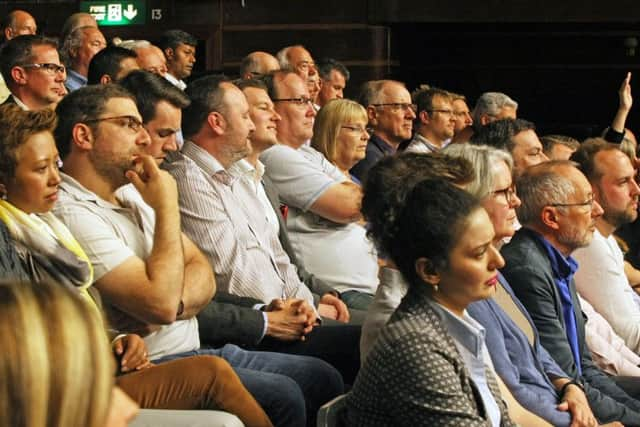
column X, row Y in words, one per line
column 31, row 68
column 558, row 215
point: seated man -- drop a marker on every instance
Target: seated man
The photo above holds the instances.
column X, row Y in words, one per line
column 145, row 269
column 435, row 122
column 558, row 214
column 601, row 278
column 31, row 68
column 229, row 318
column 111, row 64
column 391, row 115
column 518, row 137
column 257, row 64
column 78, row 48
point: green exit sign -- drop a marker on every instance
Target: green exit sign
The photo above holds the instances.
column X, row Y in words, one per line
column 131, row 12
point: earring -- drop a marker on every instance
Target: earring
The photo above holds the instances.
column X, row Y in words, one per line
column 435, row 288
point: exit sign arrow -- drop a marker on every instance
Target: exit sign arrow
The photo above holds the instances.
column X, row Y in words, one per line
column 130, row 12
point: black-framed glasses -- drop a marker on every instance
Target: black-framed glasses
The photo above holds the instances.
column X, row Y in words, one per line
column 49, row 67
column 130, row 122
column 509, row 193
column 589, row 203
column 395, row 106
column 302, row 101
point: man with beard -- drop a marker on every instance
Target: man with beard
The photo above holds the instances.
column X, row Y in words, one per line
column 559, row 215
column 148, row 273
column 601, row 279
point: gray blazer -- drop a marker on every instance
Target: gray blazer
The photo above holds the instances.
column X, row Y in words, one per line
column 529, row 272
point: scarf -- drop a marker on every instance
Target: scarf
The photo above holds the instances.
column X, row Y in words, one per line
column 55, row 253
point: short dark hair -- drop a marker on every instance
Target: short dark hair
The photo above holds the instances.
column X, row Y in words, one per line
column 326, row 65
column 206, row 96
column 500, row 133
column 149, row 89
column 255, row 83
column 16, row 127
column 423, row 98
column 550, row 141
column 81, row 105
column 173, row 38
column 585, row 155
column 19, row 51
column 107, row 61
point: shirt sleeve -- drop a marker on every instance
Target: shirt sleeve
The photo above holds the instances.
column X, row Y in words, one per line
column 105, row 249
column 299, row 181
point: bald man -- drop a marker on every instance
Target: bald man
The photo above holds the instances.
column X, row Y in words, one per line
column 257, row 64
column 16, row 23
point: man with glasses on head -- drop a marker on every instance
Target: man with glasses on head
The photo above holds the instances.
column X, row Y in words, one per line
column 391, row 114
column 257, row 64
column 559, row 215
column 31, row 67
column 435, row 122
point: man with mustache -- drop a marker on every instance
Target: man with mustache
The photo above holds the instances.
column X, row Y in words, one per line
column 179, row 48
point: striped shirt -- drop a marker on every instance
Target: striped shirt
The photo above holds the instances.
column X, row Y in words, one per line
column 228, row 223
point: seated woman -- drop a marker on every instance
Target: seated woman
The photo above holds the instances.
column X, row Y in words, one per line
column 430, row 366
column 339, row 254
column 29, row 182
column 56, row 370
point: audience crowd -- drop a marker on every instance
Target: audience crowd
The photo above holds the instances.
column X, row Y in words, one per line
column 264, row 252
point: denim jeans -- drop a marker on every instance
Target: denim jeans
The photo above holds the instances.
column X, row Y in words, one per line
column 357, row 300
column 283, row 384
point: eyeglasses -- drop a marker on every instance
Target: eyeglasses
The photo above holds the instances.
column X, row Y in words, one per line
column 130, row 122
column 445, row 112
column 589, row 203
column 50, row 68
column 509, row 193
column 303, row 101
column 395, row 106
column 359, row 129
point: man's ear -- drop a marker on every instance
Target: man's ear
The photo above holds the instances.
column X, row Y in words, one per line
column 168, row 53
column 427, row 272
column 549, row 217
column 424, row 117
column 105, row 79
column 216, row 122
column 372, row 115
column 19, row 75
column 82, row 136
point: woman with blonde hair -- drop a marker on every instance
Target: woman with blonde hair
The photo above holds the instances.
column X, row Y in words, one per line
column 339, row 254
column 29, row 180
column 55, row 368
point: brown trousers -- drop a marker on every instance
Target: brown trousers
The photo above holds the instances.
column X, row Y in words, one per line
column 198, row 382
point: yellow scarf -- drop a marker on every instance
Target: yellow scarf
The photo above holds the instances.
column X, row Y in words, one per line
column 21, row 226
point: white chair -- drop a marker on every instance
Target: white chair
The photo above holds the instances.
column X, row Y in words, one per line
column 195, row 418
column 332, row 413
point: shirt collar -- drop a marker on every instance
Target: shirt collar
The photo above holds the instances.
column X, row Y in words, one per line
column 381, row 144
column 175, row 81
column 208, row 163
column 20, row 103
column 465, row 330
column 76, row 76
column 242, row 168
column 76, row 190
column 563, row 267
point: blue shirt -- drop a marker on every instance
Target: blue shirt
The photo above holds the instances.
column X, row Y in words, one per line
column 468, row 336
column 563, row 269
column 74, row 80
column 524, row 369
